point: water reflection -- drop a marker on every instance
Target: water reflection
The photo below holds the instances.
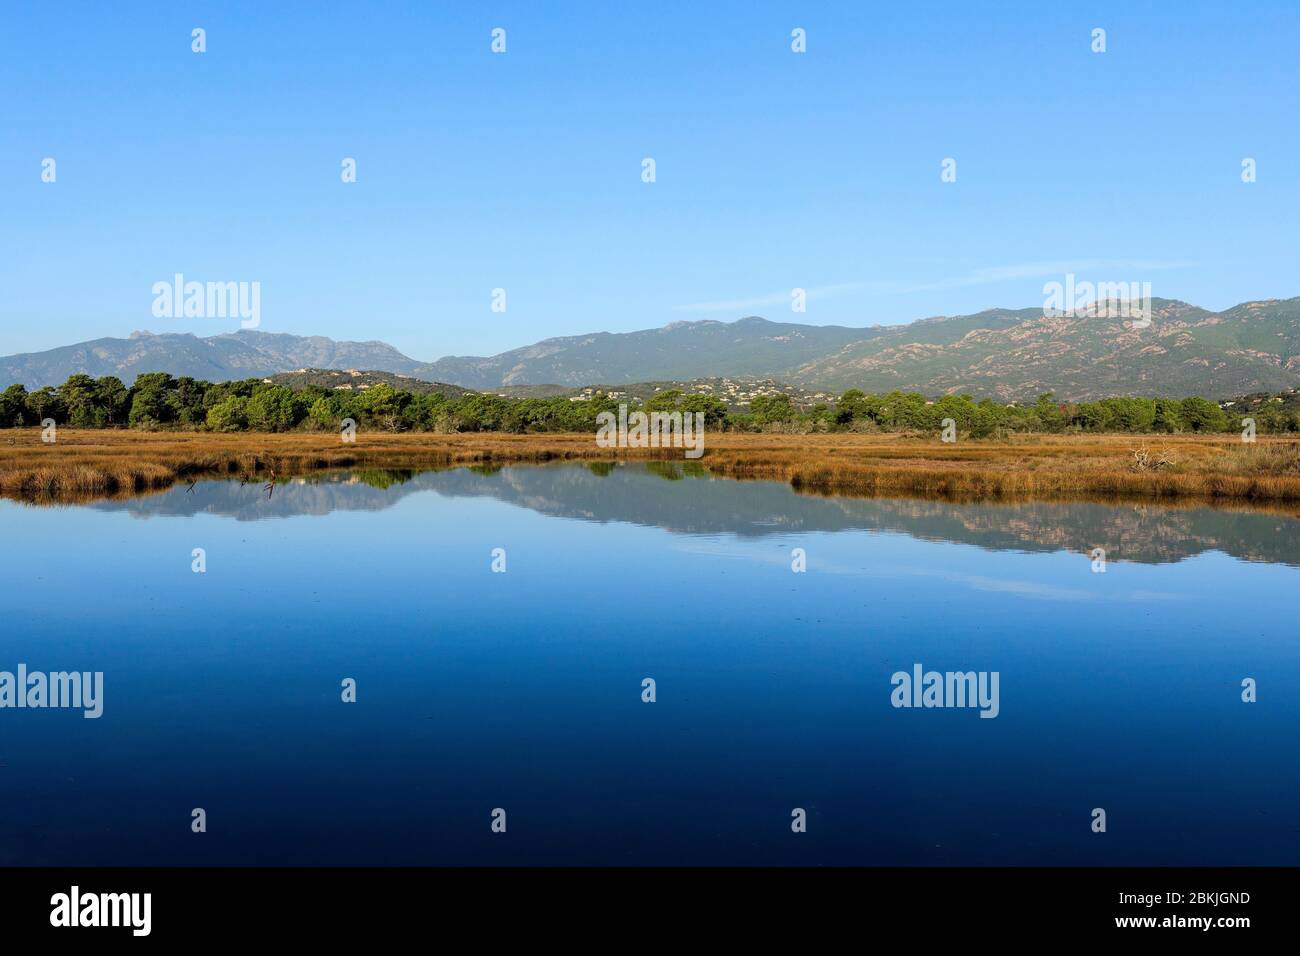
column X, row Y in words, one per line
column 479, row 689
column 652, row 494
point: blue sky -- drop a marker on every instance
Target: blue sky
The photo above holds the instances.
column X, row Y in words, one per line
column 522, row 171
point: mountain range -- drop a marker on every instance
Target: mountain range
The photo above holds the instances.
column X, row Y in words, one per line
column 999, row 353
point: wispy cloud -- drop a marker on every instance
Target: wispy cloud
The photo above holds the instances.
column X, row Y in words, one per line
column 1016, row 587
column 1115, row 268
column 774, row 298
column 1100, row 269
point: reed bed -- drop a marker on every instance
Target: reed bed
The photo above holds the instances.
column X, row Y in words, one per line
column 89, row 463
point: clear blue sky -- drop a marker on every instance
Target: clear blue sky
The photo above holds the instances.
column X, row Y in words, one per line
column 522, row 170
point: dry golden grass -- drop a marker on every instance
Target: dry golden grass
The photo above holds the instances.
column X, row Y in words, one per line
column 89, row 463
column 1119, row 466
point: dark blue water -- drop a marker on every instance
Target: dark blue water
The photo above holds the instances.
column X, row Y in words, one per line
column 522, row 690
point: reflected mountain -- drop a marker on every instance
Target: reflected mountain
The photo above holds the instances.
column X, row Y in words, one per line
column 681, row 498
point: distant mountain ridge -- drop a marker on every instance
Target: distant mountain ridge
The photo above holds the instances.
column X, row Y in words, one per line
column 999, row 353
column 681, row 350
column 216, row 358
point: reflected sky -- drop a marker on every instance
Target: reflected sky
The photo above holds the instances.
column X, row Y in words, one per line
column 522, row 690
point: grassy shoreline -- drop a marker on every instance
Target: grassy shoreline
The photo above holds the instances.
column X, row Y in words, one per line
column 87, row 464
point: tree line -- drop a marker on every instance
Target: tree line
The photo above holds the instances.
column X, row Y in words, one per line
column 158, row 400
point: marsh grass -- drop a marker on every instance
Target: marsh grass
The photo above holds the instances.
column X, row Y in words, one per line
column 1275, row 459
column 86, row 464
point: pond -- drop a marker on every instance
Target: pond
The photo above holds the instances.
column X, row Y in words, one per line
column 502, row 631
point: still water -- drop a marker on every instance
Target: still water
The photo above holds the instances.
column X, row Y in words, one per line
column 522, row 690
